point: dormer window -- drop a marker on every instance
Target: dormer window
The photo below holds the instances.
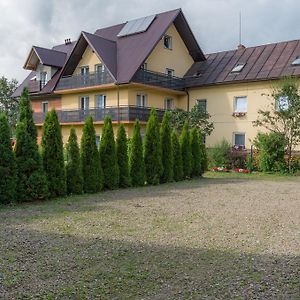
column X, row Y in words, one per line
column 238, row 68
column 43, row 76
column 168, row 42
column 296, row 62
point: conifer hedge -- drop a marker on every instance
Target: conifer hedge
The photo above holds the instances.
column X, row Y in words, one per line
column 8, row 180
column 31, row 178
column 136, row 162
column 186, row 151
column 108, row 156
column 152, row 150
column 203, row 153
column 73, row 166
column 90, row 160
column 196, row 169
column 177, row 157
column 53, row 155
column 166, row 149
column 122, row 157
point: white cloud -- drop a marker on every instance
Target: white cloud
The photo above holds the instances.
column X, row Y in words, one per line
column 214, row 23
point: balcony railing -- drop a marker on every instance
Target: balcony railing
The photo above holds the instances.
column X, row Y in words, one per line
column 123, row 113
column 79, row 81
column 159, row 79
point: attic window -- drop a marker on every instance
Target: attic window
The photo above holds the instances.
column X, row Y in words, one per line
column 168, row 42
column 296, row 62
column 238, row 68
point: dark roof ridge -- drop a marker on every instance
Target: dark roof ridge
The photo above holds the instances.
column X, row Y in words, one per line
column 262, row 45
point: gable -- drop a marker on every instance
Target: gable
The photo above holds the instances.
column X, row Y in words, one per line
column 89, row 59
column 178, row 58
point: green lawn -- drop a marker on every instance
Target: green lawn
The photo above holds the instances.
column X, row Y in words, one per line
column 221, row 237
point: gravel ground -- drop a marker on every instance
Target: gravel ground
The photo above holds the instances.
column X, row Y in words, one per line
column 213, row 238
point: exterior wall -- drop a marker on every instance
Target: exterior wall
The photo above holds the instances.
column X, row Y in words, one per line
column 177, row 59
column 89, row 58
column 220, row 105
column 52, row 103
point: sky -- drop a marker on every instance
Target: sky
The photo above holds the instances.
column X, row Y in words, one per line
column 215, row 23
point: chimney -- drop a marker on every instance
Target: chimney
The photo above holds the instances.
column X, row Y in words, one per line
column 241, row 47
column 67, row 41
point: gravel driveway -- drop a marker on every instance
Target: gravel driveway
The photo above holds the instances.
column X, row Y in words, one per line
column 213, row 238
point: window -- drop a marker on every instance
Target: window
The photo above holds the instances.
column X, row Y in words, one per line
column 282, row 103
column 141, row 100
column 202, row 103
column 239, row 139
column 84, row 71
column 44, row 107
column 144, row 66
column 43, row 76
column 169, row 72
column 100, row 101
column 168, row 42
column 169, row 104
column 84, row 103
column 237, row 68
column 99, row 68
column 240, row 104
column 296, row 62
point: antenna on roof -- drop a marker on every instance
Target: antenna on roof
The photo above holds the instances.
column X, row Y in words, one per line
column 240, row 45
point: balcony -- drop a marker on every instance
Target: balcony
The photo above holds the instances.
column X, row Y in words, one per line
column 159, row 79
column 123, row 113
column 81, row 81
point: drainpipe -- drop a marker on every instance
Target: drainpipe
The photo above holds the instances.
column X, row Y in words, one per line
column 118, row 103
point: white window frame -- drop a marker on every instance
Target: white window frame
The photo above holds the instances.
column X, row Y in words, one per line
column 86, row 103
column 144, row 66
column 169, row 39
column 143, row 101
column 234, row 138
column 103, row 101
column 282, row 104
column 170, row 72
column 102, row 68
column 238, row 68
column 85, row 73
column 43, row 106
column 43, row 78
column 235, row 105
column 166, row 105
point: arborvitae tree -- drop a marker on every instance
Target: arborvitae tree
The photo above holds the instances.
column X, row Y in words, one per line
column 152, row 151
column 122, row 157
column 25, row 114
column 90, row 160
column 31, row 178
column 53, row 155
column 177, row 157
column 7, row 164
column 166, row 149
column 73, row 167
column 196, row 153
column 186, row 151
column 203, row 154
column 136, row 162
column 108, row 156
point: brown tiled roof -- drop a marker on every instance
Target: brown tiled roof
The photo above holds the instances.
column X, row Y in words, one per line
column 265, row 62
column 131, row 51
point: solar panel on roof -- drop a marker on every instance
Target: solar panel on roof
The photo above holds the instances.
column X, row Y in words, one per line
column 136, row 26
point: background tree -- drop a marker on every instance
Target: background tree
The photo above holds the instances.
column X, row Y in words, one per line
column 7, row 164
column 136, row 162
column 283, row 116
column 196, row 153
column 108, row 156
column 8, row 104
column 197, row 117
column 53, row 155
column 152, row 151
column 166, row 149
column 186, row 151
column 177, row 157
column 90, row 159
column 73, row 166
column 31, row 178
column 122, row 157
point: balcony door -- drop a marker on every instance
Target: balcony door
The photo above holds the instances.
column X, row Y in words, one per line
column 84, row 103
column 84, row 72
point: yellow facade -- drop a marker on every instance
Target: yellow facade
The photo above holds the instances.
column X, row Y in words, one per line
column 89, row 59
